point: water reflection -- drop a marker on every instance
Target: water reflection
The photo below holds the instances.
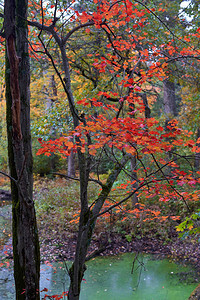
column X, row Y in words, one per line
column 110, row 278
column 107, row 278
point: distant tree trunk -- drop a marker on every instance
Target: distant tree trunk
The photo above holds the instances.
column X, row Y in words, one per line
column 25, row 235
column 133, row 160
column 170, row 110
column 147, row 110
column 169, row 99
column 87, row 222
column 133, row 167
column 71, row 172
column 197, row 155
column 88, row 215
column 51, row 98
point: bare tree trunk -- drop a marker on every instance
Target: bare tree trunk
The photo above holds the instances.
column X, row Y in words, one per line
column 133, row 167
column 169, row 99
column 71, row 172
column 87, row 222
column 87, row 216
column 51, row 98
column 133, row 159
column 133, row 162
column 25, row 235
column 197, row 155
column 170, row 109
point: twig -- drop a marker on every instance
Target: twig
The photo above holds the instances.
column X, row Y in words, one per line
column 159, row 168
column 10, row 177
column 77, row 179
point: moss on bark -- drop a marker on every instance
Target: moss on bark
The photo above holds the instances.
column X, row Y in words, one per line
column 25, row 236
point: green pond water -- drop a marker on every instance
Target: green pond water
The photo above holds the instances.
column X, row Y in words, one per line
column 5, row 223
column 110, row 278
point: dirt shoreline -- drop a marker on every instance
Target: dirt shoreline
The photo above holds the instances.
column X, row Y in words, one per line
column 61, row 246
column 187, row 251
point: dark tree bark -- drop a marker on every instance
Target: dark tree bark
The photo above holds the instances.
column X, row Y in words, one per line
column 50, row 99
column 87, row 223
column 169, row 99
column 133, row 160
column 25, row 236
column 71, row 172
column 197, row 155
column 88, row 216
column 147, row 111
column 170, row 110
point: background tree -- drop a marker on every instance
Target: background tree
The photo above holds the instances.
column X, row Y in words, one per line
column 132, row 64
column 25, row 237
column 117, row 55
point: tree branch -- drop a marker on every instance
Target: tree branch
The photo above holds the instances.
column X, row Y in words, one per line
column 10, row 177
column 90, row 23
column 77, row 179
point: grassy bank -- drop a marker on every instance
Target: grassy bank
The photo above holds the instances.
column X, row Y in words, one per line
column 57, row 206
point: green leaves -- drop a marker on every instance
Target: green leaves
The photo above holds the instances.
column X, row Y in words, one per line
column 190, row 226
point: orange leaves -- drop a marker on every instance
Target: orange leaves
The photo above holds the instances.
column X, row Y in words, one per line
column 120, row 133
column 190, row 143
column 159, row 128
column 83, row 102
column 75, row 219
column 56, row 297
column 195, row 196
column 145, row 53
column 62, row 146
column 3, row 180
column 130, row 63
column 141, row 213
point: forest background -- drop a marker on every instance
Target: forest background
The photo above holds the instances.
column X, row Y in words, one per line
column 114, row 103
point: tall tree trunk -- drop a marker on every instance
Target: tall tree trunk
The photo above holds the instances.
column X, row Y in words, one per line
column 197, row 155
column 87, row 216
column 133, row 167
column 71, row 172
column 25, row 235
column 52, row 96
column 169, row 98
column 87, row 222
column 170, row 110
column 133, row 160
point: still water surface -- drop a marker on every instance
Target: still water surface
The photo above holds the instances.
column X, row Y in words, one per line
column 110, row 278
column 107, row 278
